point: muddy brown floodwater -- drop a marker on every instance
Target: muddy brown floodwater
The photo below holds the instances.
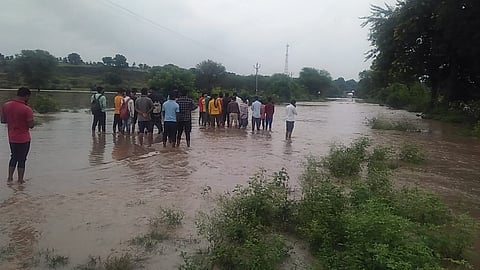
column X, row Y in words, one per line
column 88, row 195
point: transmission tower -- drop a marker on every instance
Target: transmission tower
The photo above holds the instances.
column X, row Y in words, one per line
column 256, row 67
column 285, row 71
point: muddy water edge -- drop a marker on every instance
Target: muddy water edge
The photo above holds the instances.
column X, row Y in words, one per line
column 88, row 195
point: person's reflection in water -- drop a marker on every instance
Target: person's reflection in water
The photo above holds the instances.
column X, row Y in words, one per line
column 288, row 148
column 96, row 156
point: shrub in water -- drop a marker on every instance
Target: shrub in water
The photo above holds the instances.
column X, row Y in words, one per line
column 345, row 161
column 242, row 230
column 411, row 153
column 45, row 104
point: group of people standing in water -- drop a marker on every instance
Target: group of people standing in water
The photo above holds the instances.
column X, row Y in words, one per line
column 226, row 111
column 173, row 116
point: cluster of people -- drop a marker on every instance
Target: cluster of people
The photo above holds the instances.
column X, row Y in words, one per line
column 221, row 111
column 147, row 112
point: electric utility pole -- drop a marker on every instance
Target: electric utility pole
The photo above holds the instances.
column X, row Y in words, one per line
column 285, row 70
column 256, row 67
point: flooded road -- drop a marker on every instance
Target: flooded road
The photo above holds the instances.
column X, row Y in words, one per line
column 88, row 195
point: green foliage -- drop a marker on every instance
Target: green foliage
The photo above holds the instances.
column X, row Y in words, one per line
column 343, row 161
column 365, row 223
column 74, row 59
column 209, row 74
column 411, row 153
column 45, row 104
column 159, row 229
column 37, row 67
column 242, row 230
column 368, row 224
column 169, row 77
column 113, row 78
column 414, row 97
column 429, row 41
column 476, row 129
column 169, row 217
column 316, row 82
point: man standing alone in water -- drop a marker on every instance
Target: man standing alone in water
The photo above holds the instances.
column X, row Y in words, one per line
column 291, row 112
column 19, row 119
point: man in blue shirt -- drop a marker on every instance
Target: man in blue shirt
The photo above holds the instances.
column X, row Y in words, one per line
column 170, row 109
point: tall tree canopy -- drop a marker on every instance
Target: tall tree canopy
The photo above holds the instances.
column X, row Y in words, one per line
column 317, row 82
column 169, row 77
column 36, row 66
column 436, row 42
column 74, row 59
column 209, row 74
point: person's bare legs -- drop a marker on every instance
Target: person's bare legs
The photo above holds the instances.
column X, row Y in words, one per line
column 11, row 170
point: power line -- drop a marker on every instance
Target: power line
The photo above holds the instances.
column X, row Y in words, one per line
column 161, row 27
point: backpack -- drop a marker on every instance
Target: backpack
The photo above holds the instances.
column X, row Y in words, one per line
column 157, row 108
column 124, row 113
column 95, row 106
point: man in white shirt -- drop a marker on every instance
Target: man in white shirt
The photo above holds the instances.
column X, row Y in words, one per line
column 256, row 105
column 291, row 112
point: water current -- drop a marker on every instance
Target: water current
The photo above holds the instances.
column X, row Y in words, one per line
column 88, row 195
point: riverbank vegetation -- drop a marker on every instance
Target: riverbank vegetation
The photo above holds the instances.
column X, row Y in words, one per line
column 425, row 59
column 351, row 218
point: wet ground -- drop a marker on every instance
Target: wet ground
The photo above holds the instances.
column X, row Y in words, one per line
column 88, row 195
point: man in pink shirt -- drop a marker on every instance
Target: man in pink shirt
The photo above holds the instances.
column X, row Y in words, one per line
column 19, row 119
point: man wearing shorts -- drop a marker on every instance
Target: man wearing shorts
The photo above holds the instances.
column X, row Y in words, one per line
column 19, row 119
column 291, row 113
column 144, row 106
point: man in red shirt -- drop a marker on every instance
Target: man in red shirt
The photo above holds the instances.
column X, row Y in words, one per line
column 19, row 119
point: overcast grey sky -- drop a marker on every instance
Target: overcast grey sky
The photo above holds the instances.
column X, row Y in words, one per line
column 323, row 34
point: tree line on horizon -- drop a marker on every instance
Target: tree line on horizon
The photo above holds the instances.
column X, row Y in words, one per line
column 40, row 69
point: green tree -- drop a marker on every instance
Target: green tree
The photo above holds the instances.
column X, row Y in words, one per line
column 74, row 59
column 209, row 74
column 316, row 82
column 435, row 42
column 169, row 77
column 36, row 66
column 120, row 61
column 108, row 61
column 282, row 87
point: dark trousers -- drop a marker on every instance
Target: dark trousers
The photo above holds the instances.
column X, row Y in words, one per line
column 19, row 152
column 215, row 118
column 99, row 119
column 169, row 131
column 117, row 122
column 184, row 125
column 268, row 122
column 255, row 122
column 157, row 122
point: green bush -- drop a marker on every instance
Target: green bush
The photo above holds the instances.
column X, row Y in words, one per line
column 45, row 104
column 343, row 161
column 242, row 230
column 364, row 223
column 411, row 153
column 413, row 97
